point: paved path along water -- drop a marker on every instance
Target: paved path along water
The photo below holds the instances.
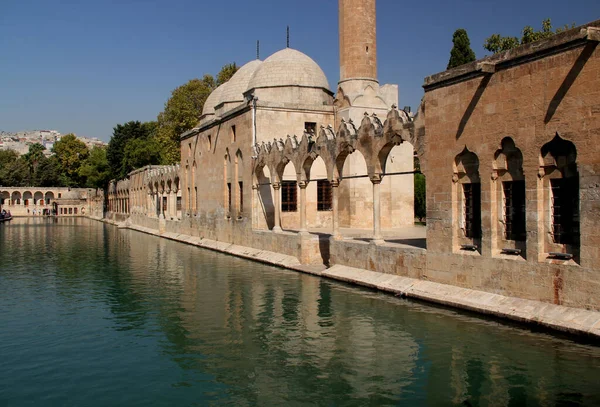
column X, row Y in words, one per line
column 92, row 315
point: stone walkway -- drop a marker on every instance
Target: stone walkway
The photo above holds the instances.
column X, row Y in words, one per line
column 408, row 235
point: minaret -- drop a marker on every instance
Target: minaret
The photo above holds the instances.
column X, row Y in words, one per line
column 358, row 88
column 358, row 40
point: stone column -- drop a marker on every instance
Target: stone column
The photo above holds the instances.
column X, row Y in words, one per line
column 159, row 204
column 303, row 185
column 255, row 206
column 149, row 209
column 377, row 237
column 173, row 204
column 277, row 204
column 335, row 194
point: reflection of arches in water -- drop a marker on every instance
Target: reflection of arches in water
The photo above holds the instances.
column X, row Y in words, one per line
column 265, row 205
column 356, row 194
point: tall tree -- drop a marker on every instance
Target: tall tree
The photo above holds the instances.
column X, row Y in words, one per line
column 95, row 169
column 461, row 52
column 8, row 159
column 497, row 43
column 71, row 153
column 34, row 157
column 123, row 134
column 183, row 110
column 17, row 174
column 141, row 152
column 49, row 173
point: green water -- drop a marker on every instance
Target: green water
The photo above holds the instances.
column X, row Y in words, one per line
column 91, row 315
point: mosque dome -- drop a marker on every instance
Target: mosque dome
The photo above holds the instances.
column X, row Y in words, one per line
column 288, row 67
column 213, row 100
column 234, row 88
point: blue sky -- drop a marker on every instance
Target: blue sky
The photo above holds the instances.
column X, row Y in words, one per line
column 83, row 66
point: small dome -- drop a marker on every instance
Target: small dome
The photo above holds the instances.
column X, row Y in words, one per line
column 288, row 67
column 212, row 100
column 234, row 88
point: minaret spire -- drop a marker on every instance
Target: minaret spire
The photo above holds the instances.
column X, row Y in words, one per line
column 288, row 37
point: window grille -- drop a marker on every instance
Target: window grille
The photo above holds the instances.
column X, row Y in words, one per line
column 289, row 196
column 229, row 197
column 324, row 195
column 514, row 210
column 565, row 210
column 472, row 194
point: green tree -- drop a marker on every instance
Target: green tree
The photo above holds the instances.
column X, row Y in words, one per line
column 226, row 73
column 34, row 157
column 16, row 174
column 95, row 169
column 49, row 173
column 141, row 152
column 122, row 135
column 183, row 110
column 461, row 52
column 71, row 153
column 7, row 161
column 497, row 43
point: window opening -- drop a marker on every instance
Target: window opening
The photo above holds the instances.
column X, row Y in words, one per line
column 472, row 194
column 310, row 127
column 289, row 196
column 229, row 197
column 324, row 195
column 565, row 210
column 178, row 203
column 233, row 134
column 514, row 210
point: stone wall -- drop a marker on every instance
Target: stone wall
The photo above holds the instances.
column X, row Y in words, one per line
column 517, row 104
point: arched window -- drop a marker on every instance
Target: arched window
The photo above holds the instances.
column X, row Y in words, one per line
column 560, row 180
column 509, row 189
column 227, row 177
column 239, row 175
column 468, row 196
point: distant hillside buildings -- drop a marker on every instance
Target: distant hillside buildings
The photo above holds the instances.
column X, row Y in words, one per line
column 20, row 141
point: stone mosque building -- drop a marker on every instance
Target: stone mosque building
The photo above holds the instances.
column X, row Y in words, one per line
column 283, row 170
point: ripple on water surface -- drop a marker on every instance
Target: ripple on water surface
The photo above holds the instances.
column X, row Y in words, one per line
column 95, row 316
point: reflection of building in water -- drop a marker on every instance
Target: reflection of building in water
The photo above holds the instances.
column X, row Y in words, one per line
column 270, row 334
